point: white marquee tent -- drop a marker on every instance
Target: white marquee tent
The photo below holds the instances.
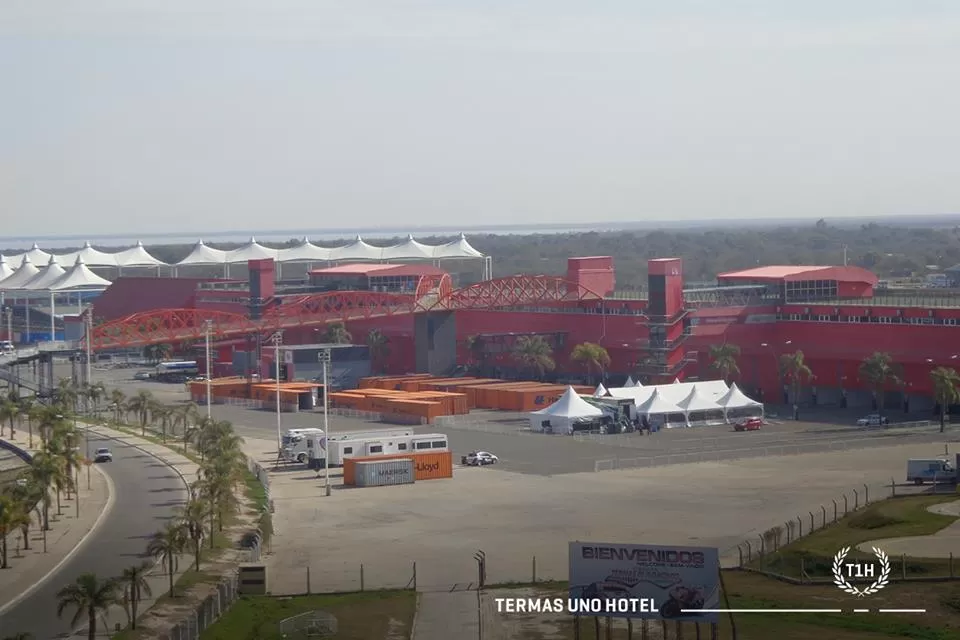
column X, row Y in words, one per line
column 600, row 391
column 656, row 406
column 564, row 413
column 5, row 269
column 79, row 278
column 136, row 256
column 89, row 256
column 698, row 399
column 24, row 274
column 45, row 276
column 737, row 402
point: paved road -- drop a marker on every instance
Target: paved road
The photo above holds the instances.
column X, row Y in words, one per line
column 146, row 493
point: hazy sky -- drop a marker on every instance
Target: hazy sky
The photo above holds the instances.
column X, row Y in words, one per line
column 150, row 116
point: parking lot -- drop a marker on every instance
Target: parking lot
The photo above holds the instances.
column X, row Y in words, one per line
column 545, row 492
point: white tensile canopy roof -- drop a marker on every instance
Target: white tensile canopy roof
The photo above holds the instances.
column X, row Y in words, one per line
column 90, row 256
column 696, row 401
column 204, row 255
column 656, row 405
column 673, row 393
column 570, row 405
column 629, row 383
column 736, row 399
column 600, row 391
column 253, row 250
column 5, row 269
column 46, row 276
column 356, row 250
column 36, row 255
column 21, row 276
column 407, row 250
column 79, row 277
column 306, row 251
column 458, row 248
column 136, row 257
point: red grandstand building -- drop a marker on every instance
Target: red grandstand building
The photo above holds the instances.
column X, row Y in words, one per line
column 833, row 314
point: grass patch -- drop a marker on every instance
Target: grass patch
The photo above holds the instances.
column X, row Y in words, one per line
column 894, row 518
column 360, row 616
column 752, row 591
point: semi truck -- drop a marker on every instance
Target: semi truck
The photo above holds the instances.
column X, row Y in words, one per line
column 346, row 446
column 299, row 445
column 933, row 470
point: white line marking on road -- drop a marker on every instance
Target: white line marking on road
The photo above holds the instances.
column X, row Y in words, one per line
column 111, row 498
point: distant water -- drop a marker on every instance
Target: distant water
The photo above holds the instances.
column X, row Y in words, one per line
column 317, row 235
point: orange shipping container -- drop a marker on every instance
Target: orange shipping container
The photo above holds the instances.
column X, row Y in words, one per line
column 427, row 466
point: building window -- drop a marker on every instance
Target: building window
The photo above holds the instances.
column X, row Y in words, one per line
column 423, row 445
column 950, row 321
column 402, row 446
column 439, row 444
column 377, row 448
column 347, row 450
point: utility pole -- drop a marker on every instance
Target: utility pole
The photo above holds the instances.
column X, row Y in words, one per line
column 277, row 339
column 324, row 357
column 207, row 325
column 88, row 325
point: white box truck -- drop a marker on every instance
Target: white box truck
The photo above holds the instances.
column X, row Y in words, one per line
column 921, row 470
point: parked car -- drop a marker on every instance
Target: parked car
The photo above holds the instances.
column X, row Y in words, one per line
column 142, row 375
column 103, row 455
column 479, row 459
column 748, row 424
column 873, row 420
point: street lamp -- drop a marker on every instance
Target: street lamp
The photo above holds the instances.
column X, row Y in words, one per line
column 9, row 312
column 277, row 339
column 207, row 326
column 324, row 358
column 88, row 329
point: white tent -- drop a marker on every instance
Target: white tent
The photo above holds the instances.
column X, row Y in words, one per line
column 45, row 276
column 629, row 383
column 90, row 256
column 253, row 250
column 204, row 255
column 676, row 381
column 21, row 276
column 458, row 248
column 137, row 257
column 356, row 250
column 735, row 400
column 79, row 278
column 656, row 405
column 698, row 403
column 411, row 249
column 35, row 253
column 5, row 269
column 600, row 391
column 562, row 414
column 306, row 251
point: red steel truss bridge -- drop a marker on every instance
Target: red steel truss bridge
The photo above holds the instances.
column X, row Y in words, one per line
column 173, row 326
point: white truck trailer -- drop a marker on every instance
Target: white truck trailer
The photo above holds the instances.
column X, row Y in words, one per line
column 932, row 470
column 380, row 445
column 311, row 443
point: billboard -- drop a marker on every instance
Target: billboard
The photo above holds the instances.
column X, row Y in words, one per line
column 671, row 580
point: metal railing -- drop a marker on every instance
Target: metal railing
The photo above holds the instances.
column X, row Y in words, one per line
column 206, row 613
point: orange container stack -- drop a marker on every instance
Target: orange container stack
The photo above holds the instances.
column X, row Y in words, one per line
column 427, row 466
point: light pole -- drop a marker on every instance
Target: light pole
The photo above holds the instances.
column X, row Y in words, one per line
column 88, row 326
column 324, row 358
column 277, row 339
column 207, row 326
column 9, row 312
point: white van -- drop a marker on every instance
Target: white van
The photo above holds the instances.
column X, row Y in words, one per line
column 6, row 346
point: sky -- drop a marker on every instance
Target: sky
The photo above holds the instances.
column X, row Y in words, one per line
column 159, row 116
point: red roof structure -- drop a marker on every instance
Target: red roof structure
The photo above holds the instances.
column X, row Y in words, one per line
column 129, row 295
column 788, row 273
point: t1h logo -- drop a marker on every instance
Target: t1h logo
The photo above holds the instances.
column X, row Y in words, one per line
column 844, row 571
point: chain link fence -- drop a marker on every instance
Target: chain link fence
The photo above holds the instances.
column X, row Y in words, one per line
column 206, row 613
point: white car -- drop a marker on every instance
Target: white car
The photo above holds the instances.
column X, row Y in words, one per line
column 103, row 455
column 479, row 459
column 872, row 420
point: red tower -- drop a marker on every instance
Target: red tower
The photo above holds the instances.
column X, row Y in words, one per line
column 667, row 322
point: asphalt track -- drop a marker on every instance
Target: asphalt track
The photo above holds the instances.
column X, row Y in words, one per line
column 146, row 492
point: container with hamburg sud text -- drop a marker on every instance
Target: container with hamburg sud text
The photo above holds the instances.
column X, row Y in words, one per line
column 379, row 473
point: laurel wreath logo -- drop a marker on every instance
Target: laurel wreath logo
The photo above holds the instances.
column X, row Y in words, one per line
column 840, row 580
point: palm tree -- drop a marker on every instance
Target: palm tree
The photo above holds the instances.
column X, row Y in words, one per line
column 9, row 521
column 44, row 471
column 66, row 394
column 166, row 544
column 194, row 516
column 591, row 355
column 163, row 415
column 724, row 358
column 135, row 586
column 877, row 371
column 945, row 389
column 9, row 411
column 336, row 333
column 90, row 597
column 29, row 410
column 184, row 415
column 796, row 373
column 140, row 405
column 379, row 347
column 118, row 400
column 25, row 496
column 535, row 354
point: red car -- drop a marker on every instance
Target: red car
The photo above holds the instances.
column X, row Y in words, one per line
column 750, row 424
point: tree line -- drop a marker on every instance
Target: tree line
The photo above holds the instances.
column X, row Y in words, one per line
column 54, row 470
